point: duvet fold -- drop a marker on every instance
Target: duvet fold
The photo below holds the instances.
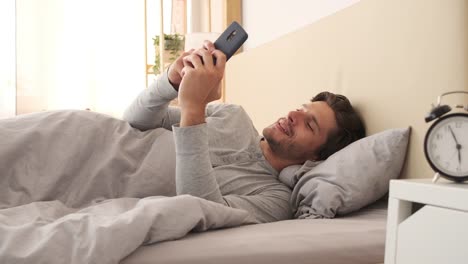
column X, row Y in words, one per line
column 106, row 232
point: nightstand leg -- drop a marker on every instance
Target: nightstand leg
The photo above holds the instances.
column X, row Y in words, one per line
column 398, row 210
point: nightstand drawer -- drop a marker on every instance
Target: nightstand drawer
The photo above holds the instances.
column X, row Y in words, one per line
column 433, row 235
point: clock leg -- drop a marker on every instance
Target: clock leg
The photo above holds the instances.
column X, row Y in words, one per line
column 436, row 177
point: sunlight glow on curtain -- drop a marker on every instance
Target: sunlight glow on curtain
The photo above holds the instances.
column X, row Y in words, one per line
column 7, row 61
column 90, row 54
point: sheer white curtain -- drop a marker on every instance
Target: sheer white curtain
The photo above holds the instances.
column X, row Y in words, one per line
column 205, row 15
column 79, row 54
column 7, row 61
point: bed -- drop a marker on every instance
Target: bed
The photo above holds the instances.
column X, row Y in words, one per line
column 392, row 59
column 356, row 238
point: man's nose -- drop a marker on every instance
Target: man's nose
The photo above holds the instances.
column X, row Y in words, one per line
column 294, row 116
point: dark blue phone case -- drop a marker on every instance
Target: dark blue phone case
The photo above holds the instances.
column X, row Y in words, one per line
column 231, row 39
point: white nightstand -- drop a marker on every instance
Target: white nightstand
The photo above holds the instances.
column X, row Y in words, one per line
column 437, row 232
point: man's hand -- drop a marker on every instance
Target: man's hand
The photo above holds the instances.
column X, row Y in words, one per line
column 174, row 72
column 200, row 83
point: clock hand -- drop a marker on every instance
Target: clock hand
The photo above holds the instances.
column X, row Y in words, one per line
column 459, row 155
column 458, row 146
column 453, row 135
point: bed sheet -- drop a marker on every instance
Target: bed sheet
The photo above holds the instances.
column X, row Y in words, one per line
column 355, row 238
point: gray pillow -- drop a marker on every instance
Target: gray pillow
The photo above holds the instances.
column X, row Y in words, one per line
column 349, row 179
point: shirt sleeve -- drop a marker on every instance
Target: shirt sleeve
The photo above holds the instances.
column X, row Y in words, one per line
column 151, row 107
column 194, row 171
column 195, row 176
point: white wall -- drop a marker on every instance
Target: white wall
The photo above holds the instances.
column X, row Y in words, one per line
column 266, row 20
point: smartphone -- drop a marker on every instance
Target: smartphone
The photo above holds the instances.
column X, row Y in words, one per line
column 231, row 39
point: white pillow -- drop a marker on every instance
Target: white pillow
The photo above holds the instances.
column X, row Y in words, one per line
column 350, row 179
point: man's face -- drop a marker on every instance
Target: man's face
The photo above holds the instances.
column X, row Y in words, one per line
column 299, row 135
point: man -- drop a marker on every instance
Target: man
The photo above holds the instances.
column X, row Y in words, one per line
column 219, row 154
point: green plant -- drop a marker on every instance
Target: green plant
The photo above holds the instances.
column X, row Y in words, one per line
column 173, row 43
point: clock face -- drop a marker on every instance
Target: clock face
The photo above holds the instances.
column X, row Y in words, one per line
column 446, row 146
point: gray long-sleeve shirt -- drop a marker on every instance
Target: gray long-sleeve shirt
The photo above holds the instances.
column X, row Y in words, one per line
column 220, row 160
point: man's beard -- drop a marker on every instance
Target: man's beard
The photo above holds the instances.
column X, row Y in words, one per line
column 286, row 149
column 283, row 150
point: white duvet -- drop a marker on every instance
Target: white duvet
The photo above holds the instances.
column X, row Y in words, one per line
column 62, row 178
column 49, row 232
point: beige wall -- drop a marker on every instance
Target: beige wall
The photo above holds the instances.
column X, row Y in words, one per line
column 391, row 58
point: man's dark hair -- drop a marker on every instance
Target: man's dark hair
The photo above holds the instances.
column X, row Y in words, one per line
column 350, row 125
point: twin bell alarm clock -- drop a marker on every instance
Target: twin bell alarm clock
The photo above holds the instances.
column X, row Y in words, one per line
column 446, row 141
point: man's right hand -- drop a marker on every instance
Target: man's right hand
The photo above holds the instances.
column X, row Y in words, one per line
column 174, row 73
column 200, row 84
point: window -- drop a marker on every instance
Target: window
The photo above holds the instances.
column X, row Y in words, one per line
column 79, row 55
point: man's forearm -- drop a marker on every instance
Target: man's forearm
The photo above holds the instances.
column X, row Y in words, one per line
column 150, row 109
column 194, row 171
column 191, row 116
